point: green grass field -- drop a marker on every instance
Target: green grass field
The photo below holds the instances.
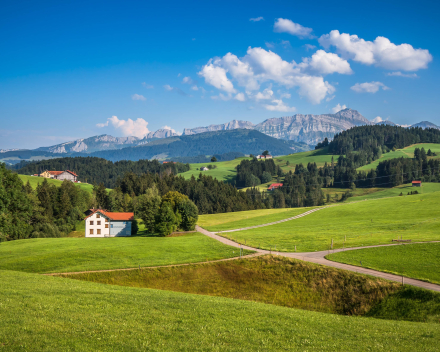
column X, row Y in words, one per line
column 225, row 170
column 69, row 315
column 369, row 222
column 49, row 255
column 418, row 261
column 35, row 181
column 237, row 220
column 320, row 157
column 407, row 152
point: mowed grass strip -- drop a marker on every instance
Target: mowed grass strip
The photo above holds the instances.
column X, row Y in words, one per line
column 71, row 315
column 52, row 255
column 418, row 261
column 364, row 223
column 240, row 219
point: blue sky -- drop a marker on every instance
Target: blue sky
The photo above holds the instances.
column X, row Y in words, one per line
column 68, row 67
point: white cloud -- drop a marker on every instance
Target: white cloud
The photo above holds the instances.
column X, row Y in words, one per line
column 309, row 47
column 400, row 74
column 327, row 63
column 148, row 86
column 128, row 127
column 278, row 105
column 257, row 19
column 138, row 97
column 377, row 119
column 265, row 95
column 368, row 87
column 189, row 80
column 174, row 89
column 286, row 95
column 287, row 26
column 270, row 45
column 381, row 52
column 330, row 98
column 240, row 97
column 338, row 108
column 222, row 96
column 259, row 66
column 216, row 76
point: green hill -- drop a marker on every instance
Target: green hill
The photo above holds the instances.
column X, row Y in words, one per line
column 35, row 181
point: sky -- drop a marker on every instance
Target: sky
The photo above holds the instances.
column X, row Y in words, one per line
column 75, row 69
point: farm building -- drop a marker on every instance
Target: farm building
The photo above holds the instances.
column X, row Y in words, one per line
column 204, row 168
column 274, row 186
column 416, row 183
column 60, row 175
column 102, row 223
column 264, row 156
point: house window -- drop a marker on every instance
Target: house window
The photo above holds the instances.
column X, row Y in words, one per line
column 91, row 231
column 106, row 226
column 98, row 216
column 111, row 226
column 98, row 223
column 98, row 231
column 91, row 222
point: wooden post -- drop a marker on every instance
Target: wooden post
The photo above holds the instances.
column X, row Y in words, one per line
column 332, row 244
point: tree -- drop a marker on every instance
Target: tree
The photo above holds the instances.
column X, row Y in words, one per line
column 174, row 198
column 266, row 177
column 147, row 207
column 213, row 159
column 102, row 197
column 166, row 221
column 189, row 214
column 266, row 152
column 134, row 227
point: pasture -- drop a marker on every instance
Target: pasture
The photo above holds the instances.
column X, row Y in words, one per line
column 34, row 181
column 225, row 170
column 237, row 220
column 363, row 223
column 64, row 314
column 418, row 261
column 320, row 157
column 50, row 255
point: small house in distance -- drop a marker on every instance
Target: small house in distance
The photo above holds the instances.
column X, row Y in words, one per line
column 416, row 183
column 274, row 186
column 102, row 223
column 204, row 168
column 60, row 175
column 264, row 156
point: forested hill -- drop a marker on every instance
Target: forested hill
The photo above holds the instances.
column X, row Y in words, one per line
column 97, row 170
column 379, row 139
column 209, row 143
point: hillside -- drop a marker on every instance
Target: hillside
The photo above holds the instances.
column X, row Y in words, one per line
column 208, row 143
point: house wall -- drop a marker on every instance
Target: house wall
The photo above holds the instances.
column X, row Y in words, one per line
column 66, row 176
column 46, row 174
column 416, row 184
column 120, row 228
column 105, row 231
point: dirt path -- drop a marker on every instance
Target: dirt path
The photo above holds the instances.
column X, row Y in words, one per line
column 319, row 258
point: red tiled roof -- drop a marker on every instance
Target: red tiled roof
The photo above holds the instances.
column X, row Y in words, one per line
column 112, row 216
column 275, row 185
column 71, row 172
column 55, row 173
column 416, row 181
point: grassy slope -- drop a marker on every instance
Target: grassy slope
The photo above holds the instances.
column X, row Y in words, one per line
column 35, row 181
column 46, row 255
column 364, row 223
column 230, row 221
column 63, row 314
column 225, row 170
column 407, row 152
column 320, row 157
column 419, row 261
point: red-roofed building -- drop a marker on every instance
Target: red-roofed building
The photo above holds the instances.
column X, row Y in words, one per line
column 61, row 175
column 274, row 186
column 103, row 223
column 416, row 183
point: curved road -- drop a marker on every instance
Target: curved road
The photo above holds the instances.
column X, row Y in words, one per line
column 319, row 258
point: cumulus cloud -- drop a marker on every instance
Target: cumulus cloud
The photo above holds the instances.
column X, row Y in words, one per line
column 174, row 89
column 381, row 52
column 327, row 63
column 138, row 97
column 283, row 25
column 148, row 86
column 368, row 87
column 259, row 66
column 278, row 105
column 338, row 108
column 400, row 74
column 240, row 97
column 309, row 47
column 189, row 80
column 377, row 119
column 264, row 95
column 257, row 19
column 128, row 127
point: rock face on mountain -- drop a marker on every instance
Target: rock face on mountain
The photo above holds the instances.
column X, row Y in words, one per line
column 162, row 133
column 311, row 129
column 232, row 125
column 426, row 124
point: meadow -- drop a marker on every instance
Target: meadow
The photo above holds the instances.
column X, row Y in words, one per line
column 225, row 170
column 418, row 261
column 237, row 220
column 320, row 157
column 34, row 181
column 61, row 314
column 353, row 224
column 51, row 255
column 279, row 281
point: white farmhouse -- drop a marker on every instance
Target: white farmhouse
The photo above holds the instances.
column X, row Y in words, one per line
column 101, row 223
column 204, row 168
